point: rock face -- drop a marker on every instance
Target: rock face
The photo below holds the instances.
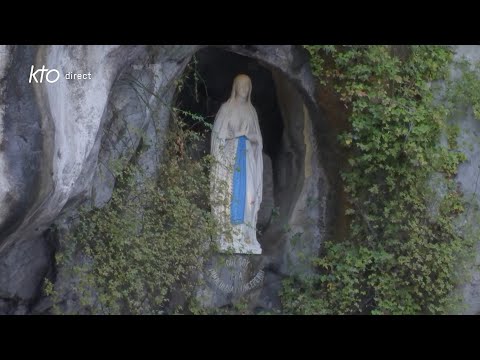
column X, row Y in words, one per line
column 468, row 178
column 50, row 143
column 268, row 203
column 57, row 141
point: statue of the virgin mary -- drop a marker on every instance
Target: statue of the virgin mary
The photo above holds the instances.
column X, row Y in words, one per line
column 237, row 174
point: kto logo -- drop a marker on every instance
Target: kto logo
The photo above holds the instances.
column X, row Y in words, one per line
column 51, row 78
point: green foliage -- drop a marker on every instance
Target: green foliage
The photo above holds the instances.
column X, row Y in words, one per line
column 399, row 257
column 150, row 239
column 465, row 89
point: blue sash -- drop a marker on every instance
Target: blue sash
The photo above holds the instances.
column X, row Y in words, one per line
column 237, row 209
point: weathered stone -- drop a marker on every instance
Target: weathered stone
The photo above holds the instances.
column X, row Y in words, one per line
column 302, row 197
column 23, row 268
column 468, row 178
column 268, row 201
column 50, row 140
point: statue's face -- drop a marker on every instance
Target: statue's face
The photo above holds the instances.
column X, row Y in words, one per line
column 242, row 89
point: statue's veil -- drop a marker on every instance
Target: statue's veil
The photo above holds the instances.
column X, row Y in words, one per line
column 225, row 114
column 234, row 87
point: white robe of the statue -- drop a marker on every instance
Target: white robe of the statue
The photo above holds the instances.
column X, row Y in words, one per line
column 232, row 121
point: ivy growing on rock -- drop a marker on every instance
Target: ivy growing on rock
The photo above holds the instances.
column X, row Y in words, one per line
column 404, row 251
column 148, row 243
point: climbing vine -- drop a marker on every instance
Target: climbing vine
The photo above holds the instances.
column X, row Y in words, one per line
column 404, row 250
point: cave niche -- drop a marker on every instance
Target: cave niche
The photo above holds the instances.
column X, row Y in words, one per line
column 292, row 215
